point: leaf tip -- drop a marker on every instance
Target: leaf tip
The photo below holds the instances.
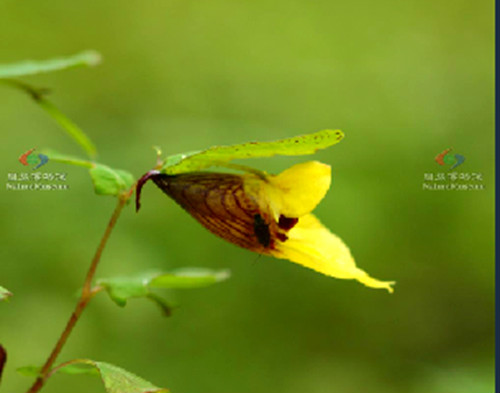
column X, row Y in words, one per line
column 5, row 294
column 92, row 57
column 339, row 135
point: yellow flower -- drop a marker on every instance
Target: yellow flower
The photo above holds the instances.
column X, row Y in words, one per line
column 288, row 199
column 269, row 214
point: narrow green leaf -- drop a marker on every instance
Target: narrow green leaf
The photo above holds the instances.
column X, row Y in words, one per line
column 4, row 294
column 106, row 180
column 29, row 371
column 220, row 155
column 30, row 67
column 24, row 68
column 176, row 159
column 109, row 181
column 38, row 95
column 75, row 132
column 188, row 278
column 66, row 159
column 121, row 289
column 70, row 368
column 78, row 369
column 118, row 380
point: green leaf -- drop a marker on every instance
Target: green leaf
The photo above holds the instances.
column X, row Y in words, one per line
column 66, row 159
column 70, row 368
column 221, row 155
column 30, row 67
column 121, row 289
column 109, row 181
column 29, row 371
column 4, row 294
column 106, row 180
column 189, row 278
column 87, row 58
column 116, row 379
column 75, row 132
column 78, row 369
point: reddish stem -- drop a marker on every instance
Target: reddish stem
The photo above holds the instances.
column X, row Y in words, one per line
column 87, row 294
column 140, row 184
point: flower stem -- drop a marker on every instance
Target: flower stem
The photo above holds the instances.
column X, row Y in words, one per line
column 87, row 294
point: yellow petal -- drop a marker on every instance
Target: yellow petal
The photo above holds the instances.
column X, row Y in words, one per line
column 297, row 190
column 314, row 246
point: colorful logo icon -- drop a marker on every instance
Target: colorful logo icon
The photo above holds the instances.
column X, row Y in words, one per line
column 447, row 158
column 30, row 158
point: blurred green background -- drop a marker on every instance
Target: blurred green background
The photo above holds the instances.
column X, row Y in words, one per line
column 403, row 80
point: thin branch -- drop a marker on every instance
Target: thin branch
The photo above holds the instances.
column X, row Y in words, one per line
column 86, row 296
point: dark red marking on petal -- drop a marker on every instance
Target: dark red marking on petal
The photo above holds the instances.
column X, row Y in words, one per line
column 282, row 237
column 287, row 223
column 140, row 184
